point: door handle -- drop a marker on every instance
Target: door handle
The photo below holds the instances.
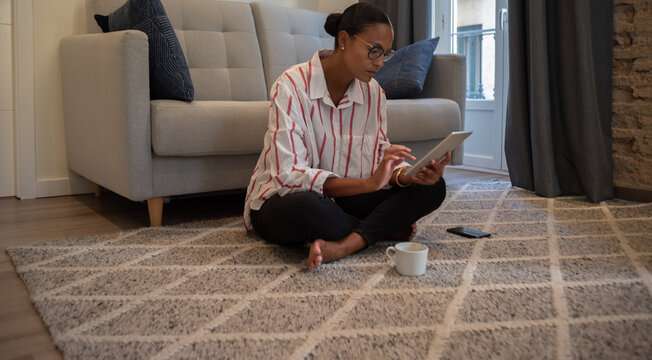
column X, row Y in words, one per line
column 503, row 18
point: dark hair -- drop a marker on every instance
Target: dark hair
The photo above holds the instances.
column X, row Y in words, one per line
column 354, row 19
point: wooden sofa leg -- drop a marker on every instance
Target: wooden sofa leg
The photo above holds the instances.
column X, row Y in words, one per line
column 98, row 190
column 155, row 208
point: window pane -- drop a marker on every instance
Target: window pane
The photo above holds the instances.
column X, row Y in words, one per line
column 474, row 37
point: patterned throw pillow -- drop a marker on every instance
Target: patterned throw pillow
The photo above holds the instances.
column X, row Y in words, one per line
column 403, row 76
column 169, row 77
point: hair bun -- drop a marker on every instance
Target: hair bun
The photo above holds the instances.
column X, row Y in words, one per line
column 332, row 24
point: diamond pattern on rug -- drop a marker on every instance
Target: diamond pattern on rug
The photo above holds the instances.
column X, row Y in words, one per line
column 98, row 257
column 534, row 342
column 110, row 350
column 640, row 243
column 238, row 349
column 437, row 276
column 510, row 216
column 163, row 317
column 593, row 268
column 507, row 305
column 449, row 250
column 188, row 256
column 558, row 278
column 515, row 249
column 40, row 281
column 523, row 229
column 155, row 236
column 647, row 262
column 608, row 299
column 583, row 228
column 327, row 279
column 394, row 346
column 283, row 314
column 405, row 309
column 589, row 245
column 25, row 256
column 529, row 204
column 512, row 272
column 624, row 339
column 124, row 282
column 56, row 313
column 226, row 281
column 269, row 255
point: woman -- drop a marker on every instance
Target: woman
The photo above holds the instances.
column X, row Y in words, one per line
column 324, row 171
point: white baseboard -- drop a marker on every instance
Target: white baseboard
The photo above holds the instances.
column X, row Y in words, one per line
column 63, row 187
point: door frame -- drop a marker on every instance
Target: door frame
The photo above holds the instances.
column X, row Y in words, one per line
column 25, row 127
column 444, row 15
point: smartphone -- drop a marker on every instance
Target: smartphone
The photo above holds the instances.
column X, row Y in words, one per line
column 467, row 232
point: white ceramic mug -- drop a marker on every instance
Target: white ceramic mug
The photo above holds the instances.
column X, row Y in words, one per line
column 410, row 258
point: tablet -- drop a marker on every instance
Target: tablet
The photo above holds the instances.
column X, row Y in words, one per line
column 439, row 151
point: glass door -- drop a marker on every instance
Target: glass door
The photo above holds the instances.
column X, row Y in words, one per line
column 478, row 29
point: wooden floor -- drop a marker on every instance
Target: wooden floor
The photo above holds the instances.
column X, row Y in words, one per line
column 22, row 333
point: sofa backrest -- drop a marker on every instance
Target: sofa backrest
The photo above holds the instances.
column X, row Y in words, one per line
column 219, row 42
column 288, row 36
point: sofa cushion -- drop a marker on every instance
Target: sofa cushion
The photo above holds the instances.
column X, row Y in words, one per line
column 204, row 128
column 207, row 128
column 288, row 36
column 410, row 120
column 219, row 42
column 404, row 75
column 169, row 77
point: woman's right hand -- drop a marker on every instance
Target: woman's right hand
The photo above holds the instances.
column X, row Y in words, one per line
column 393, row 156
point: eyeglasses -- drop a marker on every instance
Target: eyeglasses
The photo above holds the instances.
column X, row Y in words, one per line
column 376, row 51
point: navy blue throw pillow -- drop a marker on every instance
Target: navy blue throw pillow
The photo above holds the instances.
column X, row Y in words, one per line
column 403, row 76
column 169, row 77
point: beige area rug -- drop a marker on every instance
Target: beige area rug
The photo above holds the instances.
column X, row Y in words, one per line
column 559, row 278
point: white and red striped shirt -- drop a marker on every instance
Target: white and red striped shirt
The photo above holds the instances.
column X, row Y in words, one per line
column 309, row 139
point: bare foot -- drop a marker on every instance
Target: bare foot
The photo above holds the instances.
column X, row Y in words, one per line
column 407, row 234
column 322, row 251
column 315, row 256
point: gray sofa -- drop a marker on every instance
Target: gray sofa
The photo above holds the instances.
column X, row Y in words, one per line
column 147, row 150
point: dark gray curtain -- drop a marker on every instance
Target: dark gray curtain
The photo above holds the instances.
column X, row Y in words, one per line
column 411, row 19
column 558, row 133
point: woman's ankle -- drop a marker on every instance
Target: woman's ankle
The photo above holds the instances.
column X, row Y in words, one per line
column 350, row 244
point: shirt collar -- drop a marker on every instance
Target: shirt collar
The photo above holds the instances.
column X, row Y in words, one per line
column 318, row 86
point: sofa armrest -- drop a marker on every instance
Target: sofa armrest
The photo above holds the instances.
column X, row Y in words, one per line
column 106, row 106
column 447, row 79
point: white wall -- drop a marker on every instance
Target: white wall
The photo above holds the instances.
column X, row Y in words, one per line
column 7, row 169
column 334, row 5
column 54, row 20
column 315, row 5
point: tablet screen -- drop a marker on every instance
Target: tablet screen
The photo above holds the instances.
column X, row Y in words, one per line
column 439, row 151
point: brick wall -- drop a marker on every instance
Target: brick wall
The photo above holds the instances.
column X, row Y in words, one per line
column 632, row 94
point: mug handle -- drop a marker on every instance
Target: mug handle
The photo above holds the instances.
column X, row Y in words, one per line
column 391, row 254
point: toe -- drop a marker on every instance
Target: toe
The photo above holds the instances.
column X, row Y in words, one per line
column 315, row 257
column 318, row 260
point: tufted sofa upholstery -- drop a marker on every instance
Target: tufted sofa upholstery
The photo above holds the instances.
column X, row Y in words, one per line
column 146, row 150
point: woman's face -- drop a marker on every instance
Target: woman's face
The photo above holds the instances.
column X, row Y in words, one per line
column 356, row 51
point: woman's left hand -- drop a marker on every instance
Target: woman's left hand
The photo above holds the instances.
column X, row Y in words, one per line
column 428, row 175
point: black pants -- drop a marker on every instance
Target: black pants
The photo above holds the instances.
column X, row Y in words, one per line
column 303, row 217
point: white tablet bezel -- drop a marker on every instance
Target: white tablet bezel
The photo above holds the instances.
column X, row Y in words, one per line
column 439, row 151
